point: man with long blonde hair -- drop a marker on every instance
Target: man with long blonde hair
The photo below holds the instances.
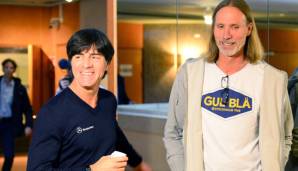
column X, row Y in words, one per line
column 230, row 110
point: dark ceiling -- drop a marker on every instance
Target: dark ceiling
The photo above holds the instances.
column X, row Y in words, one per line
column 277, row 11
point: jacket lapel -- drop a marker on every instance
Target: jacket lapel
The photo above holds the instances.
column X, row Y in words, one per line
column 270, row 123
column 193, row 126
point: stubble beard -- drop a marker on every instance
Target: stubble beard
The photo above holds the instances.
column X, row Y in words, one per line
column 232, row 52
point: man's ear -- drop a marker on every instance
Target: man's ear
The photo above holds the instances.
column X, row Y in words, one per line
column 104, row 74
column 249, row 29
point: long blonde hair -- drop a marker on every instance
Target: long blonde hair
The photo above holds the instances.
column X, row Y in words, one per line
column 253, row 49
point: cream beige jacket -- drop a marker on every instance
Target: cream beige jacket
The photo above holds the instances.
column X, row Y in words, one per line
column 183, row 130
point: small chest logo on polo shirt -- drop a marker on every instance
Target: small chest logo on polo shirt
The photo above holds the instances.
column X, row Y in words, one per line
column 237, row 103
column 80, row 130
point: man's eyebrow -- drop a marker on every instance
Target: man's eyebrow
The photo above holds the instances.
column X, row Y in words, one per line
column 218, row 23
column 97, row 53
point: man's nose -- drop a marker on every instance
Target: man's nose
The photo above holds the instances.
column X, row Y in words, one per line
column 87, row 61
column 227, row 33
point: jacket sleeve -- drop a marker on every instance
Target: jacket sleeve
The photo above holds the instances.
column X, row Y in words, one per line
column 288, row 126
column 27, row 108
column 134, row 159
column 46, row 144
column 173, row 131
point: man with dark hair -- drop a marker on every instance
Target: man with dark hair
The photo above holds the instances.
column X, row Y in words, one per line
column 77, row 129
column 14, row 103
column 230, row 110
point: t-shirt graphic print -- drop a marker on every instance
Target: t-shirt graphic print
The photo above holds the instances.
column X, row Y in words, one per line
column 237, row 103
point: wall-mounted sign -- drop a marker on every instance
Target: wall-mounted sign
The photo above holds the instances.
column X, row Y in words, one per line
column 126, row 70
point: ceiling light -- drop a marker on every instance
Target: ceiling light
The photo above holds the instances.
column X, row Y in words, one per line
column 208, row 19
column 68, row 0
column 282, row 14
column 197, row 35
column 208, row 16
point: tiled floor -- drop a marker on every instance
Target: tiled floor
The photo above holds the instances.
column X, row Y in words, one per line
column 19, row 163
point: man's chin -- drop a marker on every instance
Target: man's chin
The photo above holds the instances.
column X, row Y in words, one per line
column 88, row 87
column 230, row 53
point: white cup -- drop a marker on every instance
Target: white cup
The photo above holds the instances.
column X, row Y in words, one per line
column 118, row 154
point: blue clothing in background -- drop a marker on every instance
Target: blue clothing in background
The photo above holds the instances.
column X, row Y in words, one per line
column 6, row 96
column 292, row 164
column 11, row 123
column 122, row 95
column 20, row 107
column 292, row 83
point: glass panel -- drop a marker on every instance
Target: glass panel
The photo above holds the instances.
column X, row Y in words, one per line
column 277, row 23
column 167, row 33
column 147, row 41
column 194, row 28
column 283, row 34
column 194, row 25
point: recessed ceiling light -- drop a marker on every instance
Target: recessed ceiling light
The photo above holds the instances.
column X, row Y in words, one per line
column 208, row 19
column 197, row 35
column 207, row 15
column 68, row 0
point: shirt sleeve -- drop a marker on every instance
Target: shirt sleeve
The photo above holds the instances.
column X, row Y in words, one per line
column 46, row 144
column 134, row 159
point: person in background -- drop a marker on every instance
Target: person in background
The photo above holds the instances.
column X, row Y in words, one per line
column 122, row 95
column 14, row 105
column 229, row 110
column 67, row 79
column 77, row 129
column 292, row 164
column 293, row 94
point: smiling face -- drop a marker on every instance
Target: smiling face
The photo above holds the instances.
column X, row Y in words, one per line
column 230, row 31
column 88, row 68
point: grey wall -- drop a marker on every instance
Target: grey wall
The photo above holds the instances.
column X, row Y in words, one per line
column 158, row 61
column 160, row 44
column 93, row 14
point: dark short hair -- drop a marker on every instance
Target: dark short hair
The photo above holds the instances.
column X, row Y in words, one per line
column 86, row 38
column 11, row 61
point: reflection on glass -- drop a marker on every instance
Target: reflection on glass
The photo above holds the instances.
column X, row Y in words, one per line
column 167, row 33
